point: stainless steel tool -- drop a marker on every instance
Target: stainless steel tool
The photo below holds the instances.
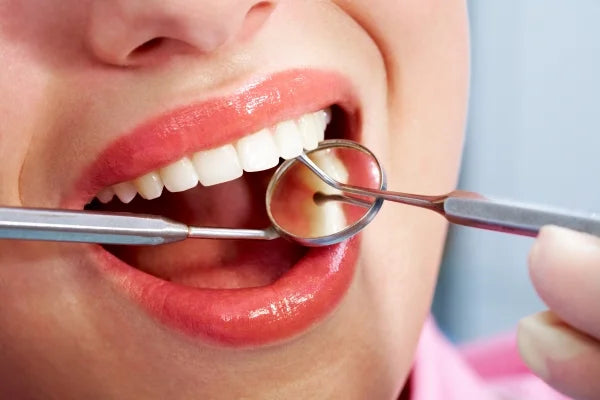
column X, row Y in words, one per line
column 359, row 198
column 109, row 228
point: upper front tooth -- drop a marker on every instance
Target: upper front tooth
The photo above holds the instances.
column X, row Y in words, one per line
column 322, row 118
column 179, row 176
column 218, row 165
column 307, row 125
column 106, row 195
column 328, row 115
column 288, row 139
column 125, row 191
column 258, row 151
column 150, row 186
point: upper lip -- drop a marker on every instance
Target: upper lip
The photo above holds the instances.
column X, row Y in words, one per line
column 251, row 316
column 211, row 123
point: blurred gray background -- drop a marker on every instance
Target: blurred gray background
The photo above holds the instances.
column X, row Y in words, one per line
column 534, row 135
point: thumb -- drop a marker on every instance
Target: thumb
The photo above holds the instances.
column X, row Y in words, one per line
column 565, row 269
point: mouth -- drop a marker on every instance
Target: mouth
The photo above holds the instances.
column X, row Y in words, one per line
column 209, row 165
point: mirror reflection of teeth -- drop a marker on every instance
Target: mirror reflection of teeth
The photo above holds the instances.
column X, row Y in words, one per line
column 256, row 152
column 329, row 217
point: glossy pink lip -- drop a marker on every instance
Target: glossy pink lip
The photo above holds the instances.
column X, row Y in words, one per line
column 213, row 123
column 233, row 317
column 244, row 317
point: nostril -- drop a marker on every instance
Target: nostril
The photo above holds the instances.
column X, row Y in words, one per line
column 156, row 50
column 255, row 18
column 148, row 46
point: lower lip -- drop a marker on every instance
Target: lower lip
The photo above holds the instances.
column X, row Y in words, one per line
column 306, row 294
column 286, row 308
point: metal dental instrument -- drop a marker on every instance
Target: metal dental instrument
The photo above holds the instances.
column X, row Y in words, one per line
column 109, row 228
column 137, row 229
column 293, row 205
column 463, row 208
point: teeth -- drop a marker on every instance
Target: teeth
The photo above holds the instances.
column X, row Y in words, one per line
column 255, row 152
column 179, row 176
column 322, row 118
column 328, row 218
column 332, row 166
column 106, row 195
column 149, row 186
column 307, row 125
column 258, row 151
column 288, row 139
column 217, row 165
column 125, row 191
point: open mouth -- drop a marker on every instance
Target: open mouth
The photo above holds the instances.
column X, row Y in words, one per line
column 220, row 187
column 231, row 292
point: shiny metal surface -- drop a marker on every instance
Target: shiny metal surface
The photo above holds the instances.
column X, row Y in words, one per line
column 348, row 231
column 459, row 207
column 516, row 218
column 108, row 228
column 472, row 209
column 85, row 226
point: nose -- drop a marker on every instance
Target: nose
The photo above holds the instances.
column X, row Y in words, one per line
column 138, row 32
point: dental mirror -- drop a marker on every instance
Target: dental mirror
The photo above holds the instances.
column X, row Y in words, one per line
column 306, row 209
column 351, row 191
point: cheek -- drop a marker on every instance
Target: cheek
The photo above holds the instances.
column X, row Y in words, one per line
column 24, row 106
column 425, row 47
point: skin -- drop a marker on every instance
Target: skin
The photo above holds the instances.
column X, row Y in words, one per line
column 75, row 79
column 562, row 346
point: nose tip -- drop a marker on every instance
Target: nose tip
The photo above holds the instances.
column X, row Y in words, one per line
column 139, row 32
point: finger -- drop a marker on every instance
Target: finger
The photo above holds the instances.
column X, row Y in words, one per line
column 566, row 359
column 565, row 269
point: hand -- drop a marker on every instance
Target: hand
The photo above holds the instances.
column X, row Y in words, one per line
column 562, row 346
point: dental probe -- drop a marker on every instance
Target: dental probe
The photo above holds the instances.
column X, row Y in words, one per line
column 109, row 228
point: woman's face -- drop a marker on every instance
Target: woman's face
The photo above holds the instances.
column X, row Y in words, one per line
column 103, row 92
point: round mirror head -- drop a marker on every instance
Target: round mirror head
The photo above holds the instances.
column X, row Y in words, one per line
column 304, row 208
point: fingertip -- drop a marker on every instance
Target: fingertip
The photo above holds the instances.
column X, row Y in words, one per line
column 528, row 333
column 558, row 247
column 565, row 358
column 564, row 267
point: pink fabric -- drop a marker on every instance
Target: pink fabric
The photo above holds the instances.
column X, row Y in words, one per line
column 490, row 370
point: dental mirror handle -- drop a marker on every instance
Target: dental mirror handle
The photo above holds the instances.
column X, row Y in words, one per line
column 468, row 209
column 109, row 228
column 473, row 210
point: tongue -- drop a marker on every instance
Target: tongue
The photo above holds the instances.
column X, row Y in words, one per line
column 213, row 263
